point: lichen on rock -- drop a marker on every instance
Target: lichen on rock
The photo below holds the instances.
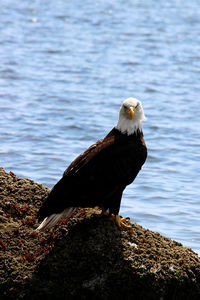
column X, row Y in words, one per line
column 88, row 257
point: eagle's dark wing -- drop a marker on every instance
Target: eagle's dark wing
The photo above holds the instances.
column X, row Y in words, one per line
column 95, row 175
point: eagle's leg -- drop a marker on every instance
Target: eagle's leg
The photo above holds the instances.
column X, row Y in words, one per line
column 114, row 206
column 119, row 221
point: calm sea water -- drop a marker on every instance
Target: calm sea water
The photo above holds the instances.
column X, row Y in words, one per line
column 65, row 68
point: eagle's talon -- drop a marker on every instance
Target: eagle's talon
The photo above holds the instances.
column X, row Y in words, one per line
column 119, row 221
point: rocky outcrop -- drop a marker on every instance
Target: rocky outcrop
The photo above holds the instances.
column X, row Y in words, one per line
column 89, row 257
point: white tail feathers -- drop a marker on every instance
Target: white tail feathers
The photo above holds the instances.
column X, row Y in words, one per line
column 50, row 221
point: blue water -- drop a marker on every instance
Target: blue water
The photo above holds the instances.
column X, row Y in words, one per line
column 65, row 68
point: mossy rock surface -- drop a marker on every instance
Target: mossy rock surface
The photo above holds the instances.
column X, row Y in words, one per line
column 87, row 258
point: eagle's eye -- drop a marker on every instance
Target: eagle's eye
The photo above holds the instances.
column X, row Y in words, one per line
column 137, row 105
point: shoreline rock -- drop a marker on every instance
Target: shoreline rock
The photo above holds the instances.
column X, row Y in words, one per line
column 89, row 257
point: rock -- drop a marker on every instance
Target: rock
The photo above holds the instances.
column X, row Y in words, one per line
column 89, row 257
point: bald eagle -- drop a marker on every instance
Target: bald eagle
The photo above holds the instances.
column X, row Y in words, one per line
column 99, row 175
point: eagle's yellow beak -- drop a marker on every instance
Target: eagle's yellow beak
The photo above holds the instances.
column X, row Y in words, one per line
column 131, row 112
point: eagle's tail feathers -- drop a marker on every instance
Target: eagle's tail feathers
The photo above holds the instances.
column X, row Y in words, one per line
column 51, row 220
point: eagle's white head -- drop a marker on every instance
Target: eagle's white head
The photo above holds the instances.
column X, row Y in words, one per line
column 130, row 116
